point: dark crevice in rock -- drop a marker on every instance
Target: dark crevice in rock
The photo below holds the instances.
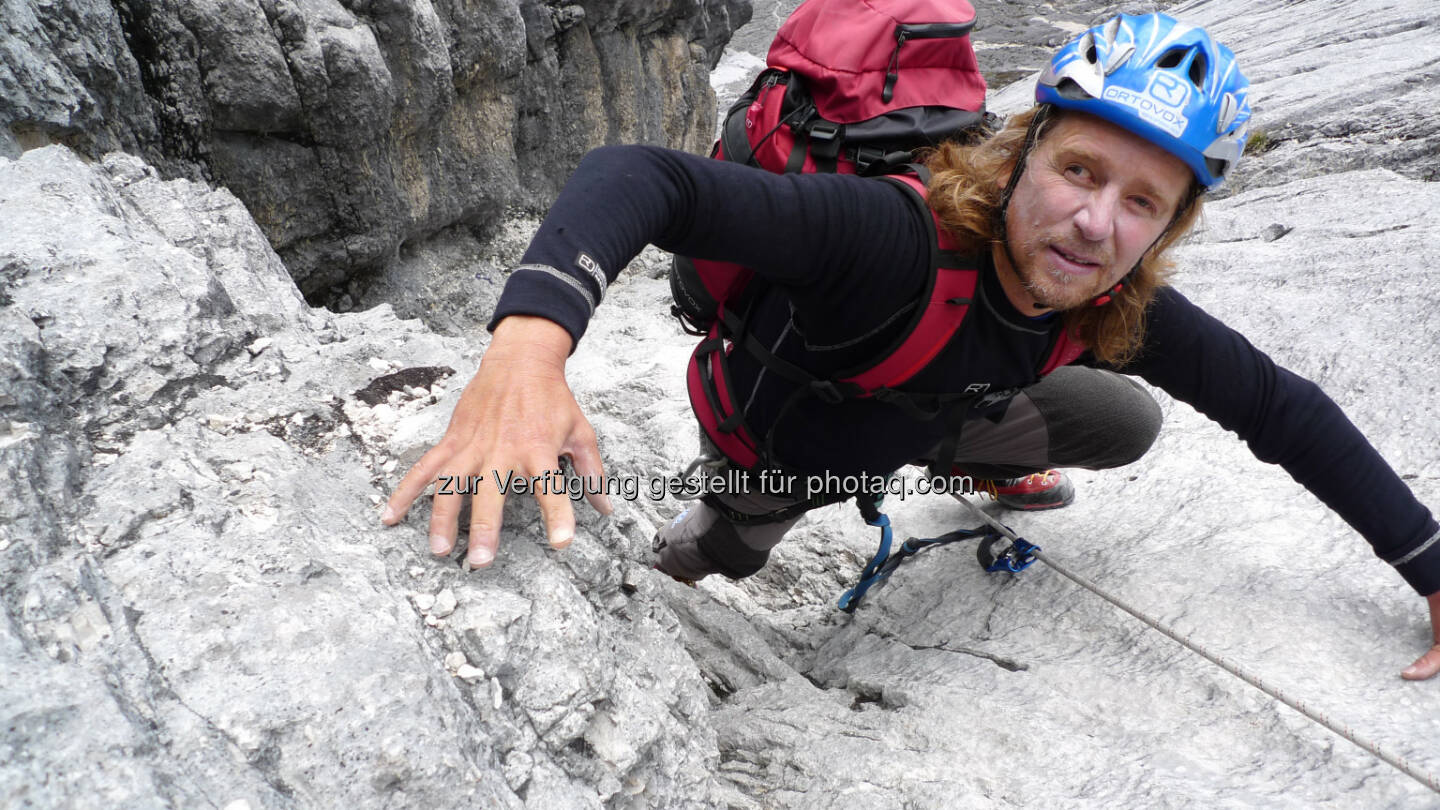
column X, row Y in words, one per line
column 1374, row 232
column 999, row 660
column 315, row 570
column 176, row 392
column 265, row 760
column 183, row 138
column 817, row 681
column 312, row 432
column 379, row 389
column 117, row 542
column 868, row 697
column 719, row 685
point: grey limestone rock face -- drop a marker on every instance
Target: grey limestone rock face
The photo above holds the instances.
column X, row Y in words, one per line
column 201, row 609
column 67, row 75
column 199, row 603
column 200, row 606
column 1354, row 86
column 349, row 129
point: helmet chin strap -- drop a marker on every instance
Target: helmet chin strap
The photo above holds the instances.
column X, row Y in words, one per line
column 1105, row 297
column 1032, row 135
column 1002, row 227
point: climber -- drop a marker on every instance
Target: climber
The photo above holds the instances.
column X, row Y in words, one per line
column 1067, row 213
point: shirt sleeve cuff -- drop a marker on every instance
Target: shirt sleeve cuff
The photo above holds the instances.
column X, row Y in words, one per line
column 1420, row 565
column 535, row 289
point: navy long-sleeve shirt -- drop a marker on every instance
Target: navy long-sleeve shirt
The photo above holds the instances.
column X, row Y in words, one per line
column 850, row 256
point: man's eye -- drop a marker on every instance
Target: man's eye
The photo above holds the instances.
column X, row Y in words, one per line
column 1146, row 204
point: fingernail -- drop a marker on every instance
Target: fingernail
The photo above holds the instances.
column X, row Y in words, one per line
column 605, row 506
column 439, row 543
column 1411, row 670
column 560, row 538
column 387, row 514
column 480, row 557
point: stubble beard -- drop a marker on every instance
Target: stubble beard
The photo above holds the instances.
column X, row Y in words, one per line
column 1051, row 287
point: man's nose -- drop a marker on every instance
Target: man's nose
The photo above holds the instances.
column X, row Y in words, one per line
column 1096, row 218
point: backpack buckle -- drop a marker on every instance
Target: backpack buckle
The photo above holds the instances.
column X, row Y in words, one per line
column 824, row 140
column 865, row 156
column 872, row 160
column 824, row 131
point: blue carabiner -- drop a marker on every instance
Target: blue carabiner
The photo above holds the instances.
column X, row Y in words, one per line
column 1019, row 556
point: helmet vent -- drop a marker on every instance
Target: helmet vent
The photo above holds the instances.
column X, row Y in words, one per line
column 1071, row 89
column 1229, row 108
column 1197, row 70
column 1172, row 58
column 1177, row 58
column 1165, row 81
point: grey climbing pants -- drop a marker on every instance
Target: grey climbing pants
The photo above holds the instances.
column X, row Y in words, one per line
column 1075, row 417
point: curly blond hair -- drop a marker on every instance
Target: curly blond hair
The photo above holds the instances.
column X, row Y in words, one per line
column 966, row 185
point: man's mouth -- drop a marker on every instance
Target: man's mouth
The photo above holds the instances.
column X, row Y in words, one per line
column 1073, row 263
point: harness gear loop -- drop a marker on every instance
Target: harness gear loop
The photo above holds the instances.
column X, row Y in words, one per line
column 708, row 459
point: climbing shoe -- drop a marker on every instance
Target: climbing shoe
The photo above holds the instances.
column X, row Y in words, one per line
column 1050, row 489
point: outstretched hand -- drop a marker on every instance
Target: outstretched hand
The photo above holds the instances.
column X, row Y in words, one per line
column 1428, row 664
column 515, row 418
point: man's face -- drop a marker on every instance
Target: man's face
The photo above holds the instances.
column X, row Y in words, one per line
column 1091, row 201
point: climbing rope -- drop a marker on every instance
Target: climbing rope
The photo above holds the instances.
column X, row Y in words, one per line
column 1398, row 762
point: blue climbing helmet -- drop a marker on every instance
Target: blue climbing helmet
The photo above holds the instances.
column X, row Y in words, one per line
column 1163, row 80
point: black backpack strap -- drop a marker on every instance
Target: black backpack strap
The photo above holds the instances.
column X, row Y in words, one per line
column 872, row 161
column 934, row 270
column 795, row 161
column 825, row 139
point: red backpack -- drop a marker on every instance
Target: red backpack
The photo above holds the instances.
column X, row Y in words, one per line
column 852, row 82
column 853, row 87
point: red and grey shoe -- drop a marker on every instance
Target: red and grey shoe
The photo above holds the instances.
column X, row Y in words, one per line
column 1051, row 489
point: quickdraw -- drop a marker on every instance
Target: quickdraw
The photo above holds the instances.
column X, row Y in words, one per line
column 996, row 552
